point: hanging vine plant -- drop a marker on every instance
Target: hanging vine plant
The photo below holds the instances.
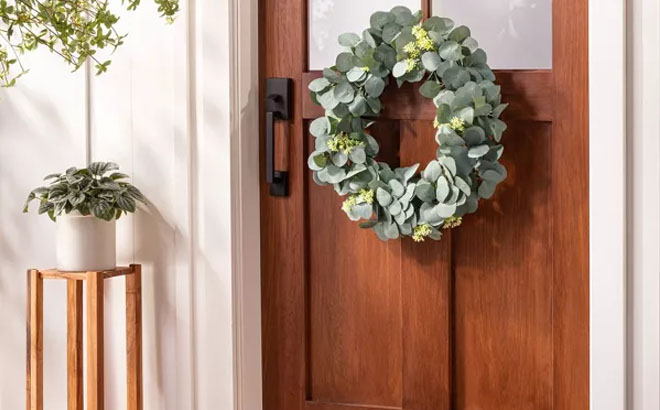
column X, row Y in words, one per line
column 402, row 202
column 76, row 30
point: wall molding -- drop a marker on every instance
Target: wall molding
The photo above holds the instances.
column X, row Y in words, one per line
column 644, row 204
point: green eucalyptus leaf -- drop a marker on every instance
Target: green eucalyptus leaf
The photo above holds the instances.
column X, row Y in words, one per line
column 425, row 191
column 368, row 224
column 391, row 231
column 497, row 111
column 383, row 197
column 477, row 57
column 451, row 51
column 319, row 85
column 445, row 210
column 438, row 24
column 431, row 61
column 332, row 76
column 345, row 61
column 459, row 34
column 356, row 74
column 400, row 69
column 349, row 40
column 471, row 44
column 402, row 16
column 478, row 151
column 497, row 127
column 358, row 155
column 487, row 189
column 319, row 127
column 462, row 185
column 339, row 158
column 380, row 18
column 390, row 32
column 316, row 161
column 466, row 114
column 493, row 176
column 430, row 89
column 359, row 106
column 397, row 188
column 406, row 173
column 474, row 136
column 455, row 77
column 442, row 189
column 328, row 100
column 344, row 93
column 432, row 171
column 374, row 86
column 369, row 39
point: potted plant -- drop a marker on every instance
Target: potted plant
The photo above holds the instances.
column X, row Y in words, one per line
column 85, row 203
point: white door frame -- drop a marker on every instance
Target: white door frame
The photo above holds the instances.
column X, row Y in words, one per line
column 246, row 251
column 607, row 203
column 607, row 193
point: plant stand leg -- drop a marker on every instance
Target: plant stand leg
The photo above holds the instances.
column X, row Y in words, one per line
column 74, row 345
column 95, row 399
column 134, row 338
column 35, row 341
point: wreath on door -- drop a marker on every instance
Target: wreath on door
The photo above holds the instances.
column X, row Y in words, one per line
column 402, row 202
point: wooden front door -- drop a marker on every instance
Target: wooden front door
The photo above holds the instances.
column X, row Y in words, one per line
column 493, row 316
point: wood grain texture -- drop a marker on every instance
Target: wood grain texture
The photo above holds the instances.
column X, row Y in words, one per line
column 426, row 298
column 283, row 53
column 74, row 345
column 494, row 316
column 426, row 8
column 529, row 93
column 503, row 284
column 570, row 193
column 134, row 381
column 95, row 385
column 35, row 341
column 318, row 405
column 354, row 307
column 57, row 274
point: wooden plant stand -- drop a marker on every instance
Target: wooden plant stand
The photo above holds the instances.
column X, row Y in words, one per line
column 35, row 326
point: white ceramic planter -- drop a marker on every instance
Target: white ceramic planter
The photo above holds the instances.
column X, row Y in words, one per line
column 85, row 243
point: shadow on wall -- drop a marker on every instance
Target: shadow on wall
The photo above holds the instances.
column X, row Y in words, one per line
column 41, row 130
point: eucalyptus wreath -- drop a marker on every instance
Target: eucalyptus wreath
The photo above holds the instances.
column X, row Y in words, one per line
column 402, row 202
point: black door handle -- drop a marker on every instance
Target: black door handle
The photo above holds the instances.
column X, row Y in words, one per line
column 278, row 107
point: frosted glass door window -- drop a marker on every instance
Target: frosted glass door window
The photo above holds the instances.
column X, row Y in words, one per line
column 330, row 18
column 516, row 34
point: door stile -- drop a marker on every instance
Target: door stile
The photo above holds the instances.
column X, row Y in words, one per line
column 570, row 194
column 427, row 294
column 426, row 8
column 282, row 48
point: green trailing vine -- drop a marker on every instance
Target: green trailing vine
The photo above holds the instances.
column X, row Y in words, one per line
column 76, row 30
column 402, row 202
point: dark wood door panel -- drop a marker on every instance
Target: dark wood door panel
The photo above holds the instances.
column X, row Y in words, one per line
column 354, row 309
column 318, row 405
column 426, row 269
column 528, row 92
column 503, row 284
column 379, row 312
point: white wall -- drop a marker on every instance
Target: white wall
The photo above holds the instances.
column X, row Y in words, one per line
column 644, row 205
column 163, row 113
